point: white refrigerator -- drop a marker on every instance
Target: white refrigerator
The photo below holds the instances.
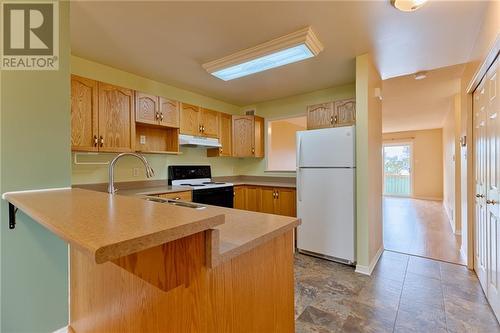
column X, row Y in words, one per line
column 326, row 183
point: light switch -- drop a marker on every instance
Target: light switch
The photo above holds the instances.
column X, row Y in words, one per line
column 142, row 139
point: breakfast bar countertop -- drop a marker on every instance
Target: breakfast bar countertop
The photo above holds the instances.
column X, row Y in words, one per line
column 111, row 226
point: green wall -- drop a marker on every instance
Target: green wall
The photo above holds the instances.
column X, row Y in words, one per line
column 34, row 154
column 285, row 107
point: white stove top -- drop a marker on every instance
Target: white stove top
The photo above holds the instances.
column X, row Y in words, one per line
column 200, row 183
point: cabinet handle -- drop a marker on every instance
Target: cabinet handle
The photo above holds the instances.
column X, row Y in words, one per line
column 199, row 128
column 335, row 119
column 96, row 141
column 234, row 194
column 101, row 140
column 479, row 195
column 220, row 150
column 177, row 198
column 203, row 128
column 277, row 194
column 253, row 151
column 331, row 120
column 161, row 116
column 491, row 202
column 157, row 116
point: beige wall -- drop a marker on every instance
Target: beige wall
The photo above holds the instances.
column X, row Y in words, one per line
column 281, row 143
column 427, row 160
column 368, row 163
column 488, row 32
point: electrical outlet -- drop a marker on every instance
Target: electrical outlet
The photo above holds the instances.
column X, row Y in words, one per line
column 135, row 172
column 142, row 139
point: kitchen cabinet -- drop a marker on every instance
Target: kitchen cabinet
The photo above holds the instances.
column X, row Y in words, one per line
column 84, row 113
column 116, row 118
column 332, row 114
column 199, row 121
column 155, row 110
column 280, row 201
column 183, row 196
column 248, row 136
column 239, row 197
column 225, row 137
column 265, row 199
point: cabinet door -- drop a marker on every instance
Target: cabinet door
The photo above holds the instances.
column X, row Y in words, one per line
column 252, row 198
column 320, row 115
column 169, row 112
column 267, row 200
column 190, row 119
column 84, row 114
column 116, row 118
column 286, row 202
column 258, row 138
column 209, row 121
column 146, row 108
column 239, row 197
column 225, row 137
column 243, row 133
column 345, row 112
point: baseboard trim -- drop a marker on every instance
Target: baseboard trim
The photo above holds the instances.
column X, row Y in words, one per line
column 367, row 270
column 428, row 198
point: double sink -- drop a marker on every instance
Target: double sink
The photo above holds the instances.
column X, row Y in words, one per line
column 175, row 202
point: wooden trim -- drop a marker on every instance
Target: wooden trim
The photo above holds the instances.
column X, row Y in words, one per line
column 488, row 61
column 304, row 36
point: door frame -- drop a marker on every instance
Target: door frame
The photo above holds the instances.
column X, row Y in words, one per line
column 412, row 164
column 471, row 87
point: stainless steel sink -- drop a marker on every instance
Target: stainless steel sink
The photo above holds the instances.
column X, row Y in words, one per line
column 175, row 202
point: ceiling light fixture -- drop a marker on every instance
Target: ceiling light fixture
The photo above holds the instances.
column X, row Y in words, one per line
column 408, row 5
column 297, row 46
column 420, row 75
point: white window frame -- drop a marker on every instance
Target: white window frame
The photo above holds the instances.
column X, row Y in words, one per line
column 396, row 142
column 268, row 140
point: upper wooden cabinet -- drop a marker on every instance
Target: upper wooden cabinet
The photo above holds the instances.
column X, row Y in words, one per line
column 225, row 137
column 84, row 113
column 331, row 114
column 116, row 118
column 345, row 112
column 248, row 136
column 209, row 122
column 199, row 121
column 320, row 115
column 169, row 112
column 154, row 110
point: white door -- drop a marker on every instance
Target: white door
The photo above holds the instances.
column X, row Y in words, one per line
column 329, row 147
column 480, row 239
column 325, row 203
column 493, row 185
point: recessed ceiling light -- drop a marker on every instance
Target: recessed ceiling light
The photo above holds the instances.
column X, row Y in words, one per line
column 408, row 5
column 420, row 75
column 284, row 50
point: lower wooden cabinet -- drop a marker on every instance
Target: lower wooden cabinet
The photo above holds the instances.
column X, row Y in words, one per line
column 264, row 199
column 184, row 195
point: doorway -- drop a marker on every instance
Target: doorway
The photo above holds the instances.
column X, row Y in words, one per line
column 397, row 169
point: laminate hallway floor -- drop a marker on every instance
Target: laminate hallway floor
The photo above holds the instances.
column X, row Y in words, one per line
column 404, row 294
column 421, row 228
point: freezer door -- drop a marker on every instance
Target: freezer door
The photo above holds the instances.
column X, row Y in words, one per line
column 329, row 147
column 325, row 203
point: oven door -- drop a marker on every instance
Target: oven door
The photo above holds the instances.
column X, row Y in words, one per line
column 219, row 196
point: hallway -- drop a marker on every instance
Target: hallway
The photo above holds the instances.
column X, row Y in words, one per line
column 421, row 228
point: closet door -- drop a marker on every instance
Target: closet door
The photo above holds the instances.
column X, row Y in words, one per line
column 493, row 185
column 480, row 243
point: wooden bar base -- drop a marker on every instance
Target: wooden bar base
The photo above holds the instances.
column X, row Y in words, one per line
column 170, row 288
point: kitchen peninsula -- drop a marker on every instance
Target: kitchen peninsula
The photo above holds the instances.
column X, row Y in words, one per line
column 145, row 266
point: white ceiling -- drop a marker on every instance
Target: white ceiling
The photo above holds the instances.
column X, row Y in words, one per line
column 168, row 41
column 410, row 104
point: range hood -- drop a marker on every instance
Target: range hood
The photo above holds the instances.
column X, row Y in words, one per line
column 198, row 141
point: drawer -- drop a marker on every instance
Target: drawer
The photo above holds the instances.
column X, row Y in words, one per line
column 184, row 195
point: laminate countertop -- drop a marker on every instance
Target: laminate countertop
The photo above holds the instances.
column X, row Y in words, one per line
column 111, row 226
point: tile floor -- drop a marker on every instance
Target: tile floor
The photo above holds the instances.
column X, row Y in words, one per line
column 404, row 294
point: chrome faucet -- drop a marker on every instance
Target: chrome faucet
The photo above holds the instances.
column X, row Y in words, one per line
column 111, row 187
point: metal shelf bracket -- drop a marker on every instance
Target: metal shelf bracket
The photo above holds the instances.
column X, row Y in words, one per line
column 12, row 216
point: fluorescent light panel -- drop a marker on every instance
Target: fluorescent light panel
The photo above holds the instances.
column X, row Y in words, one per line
column 294, row 47
column 273, row 60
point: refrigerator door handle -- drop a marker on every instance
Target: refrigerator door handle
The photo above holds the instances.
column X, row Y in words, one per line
column 299, row 152
column 299, row 185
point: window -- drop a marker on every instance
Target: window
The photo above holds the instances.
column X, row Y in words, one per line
column 281, row 153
